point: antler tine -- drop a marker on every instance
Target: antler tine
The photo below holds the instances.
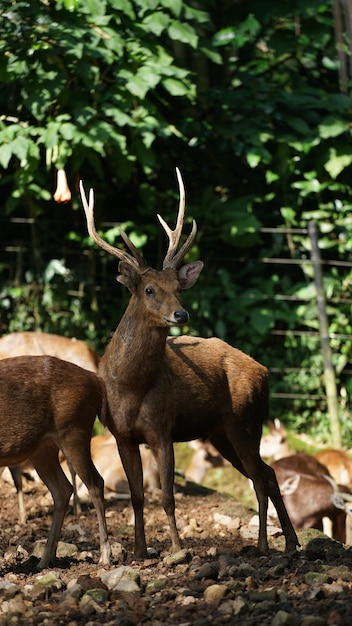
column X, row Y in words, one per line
column 136, row 254
column 172, row 259
column 136, row 260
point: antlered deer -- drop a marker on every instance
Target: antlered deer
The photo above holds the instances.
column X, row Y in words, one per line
column 47, row 404
column 162, row 390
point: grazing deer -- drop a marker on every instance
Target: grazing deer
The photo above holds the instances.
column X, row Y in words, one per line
column 162, row 390
column 29, row 343
column 310, row 494
column 274, row 445
column 47, row 404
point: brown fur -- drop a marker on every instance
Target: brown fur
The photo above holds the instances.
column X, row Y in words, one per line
column 28, row 343
column 339, row 464
column 308, row 494
column 49, row 404
column 37, row 344
column 163, row 390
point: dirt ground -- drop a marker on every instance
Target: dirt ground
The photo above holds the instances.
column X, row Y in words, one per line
column 311, row 589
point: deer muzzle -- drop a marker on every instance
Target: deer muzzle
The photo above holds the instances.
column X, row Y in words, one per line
column 180, row 317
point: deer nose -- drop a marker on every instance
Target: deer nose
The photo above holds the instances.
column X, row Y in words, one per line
column 181, row 317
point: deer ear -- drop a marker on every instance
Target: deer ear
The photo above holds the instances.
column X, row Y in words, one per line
column 188, row 274
column 128, row 276
column 290, row 485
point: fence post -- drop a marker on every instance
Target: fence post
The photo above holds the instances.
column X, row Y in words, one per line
column 329, row 373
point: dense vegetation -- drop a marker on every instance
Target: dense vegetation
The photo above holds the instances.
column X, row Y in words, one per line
column 245, row 99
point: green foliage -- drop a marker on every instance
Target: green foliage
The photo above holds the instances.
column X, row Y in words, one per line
column 246, row 101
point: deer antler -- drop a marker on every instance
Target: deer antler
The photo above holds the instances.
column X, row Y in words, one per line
column 173, row 259
column 135, row 259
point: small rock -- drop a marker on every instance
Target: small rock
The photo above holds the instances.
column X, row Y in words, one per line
column 155, row 585
column 239, row 606
column 38, row 548
column 206, row 570
column 14, row 606
column 314, row 593
column 226, row 608
column 332, row 588
column 232, row 523
column 188, row 600
column 88, row 606
column 340, row 571
column 16, row 553
column 241, row 571
column 262, row 595
column 282, row 618
column 316, row 578
column 276, row 572
column 66, row 549
column 118, row 552
column 113, row 577
column 182, row 556
column 100, row 596
column 127, row 589
column 73, row 591
column 313, row 620
column 8, row 589
column 324, row 549
column 215, row 593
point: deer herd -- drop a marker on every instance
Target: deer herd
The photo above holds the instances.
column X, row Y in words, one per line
column 150, row 390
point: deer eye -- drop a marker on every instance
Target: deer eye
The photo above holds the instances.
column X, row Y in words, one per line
column 149, row 291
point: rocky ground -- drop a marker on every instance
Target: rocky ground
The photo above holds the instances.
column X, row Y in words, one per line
column 219, row 577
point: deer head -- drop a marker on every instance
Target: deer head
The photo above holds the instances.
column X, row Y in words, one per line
column 132, row 266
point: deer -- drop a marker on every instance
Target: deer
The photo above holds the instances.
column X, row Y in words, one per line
column 47, row 405
column 339, row 464
column 274, row 444
column 107, row 461
column 204, row 457
column 164, row 389
column 37, row 344
column 311, row 494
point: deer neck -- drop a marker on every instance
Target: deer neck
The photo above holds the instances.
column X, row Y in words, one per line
column 135, row 353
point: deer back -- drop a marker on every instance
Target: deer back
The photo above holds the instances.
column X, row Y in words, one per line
column 38, row 343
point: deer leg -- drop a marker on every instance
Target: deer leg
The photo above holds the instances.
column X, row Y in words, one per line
column 132, row 464
column 166, row 465
column 46, row 461
column 16, row 474
column 273, row 491
column 76, row 507
column 77, row 453
column 244, row 456
column 250, row 470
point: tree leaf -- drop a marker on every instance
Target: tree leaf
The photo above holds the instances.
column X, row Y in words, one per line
column 183, row 32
